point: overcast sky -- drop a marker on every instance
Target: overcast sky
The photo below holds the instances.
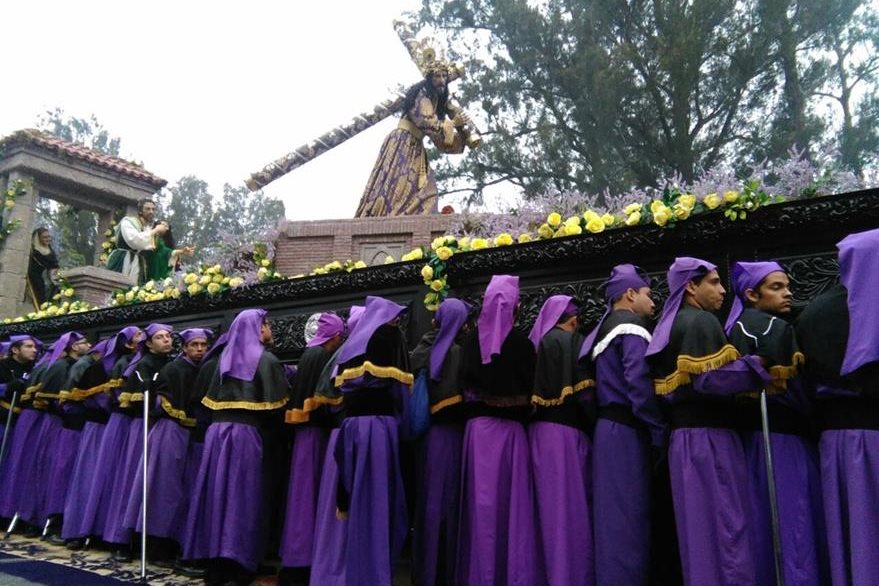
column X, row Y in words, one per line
column 214, row 89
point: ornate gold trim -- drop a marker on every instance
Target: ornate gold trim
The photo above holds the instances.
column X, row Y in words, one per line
column 688, row 365
column 566, row 391
column 454, row 400
column 303, row 415
column 6, row 406
column 126, row 399
column 178, row 414
column 247, row 405
column 377, row 371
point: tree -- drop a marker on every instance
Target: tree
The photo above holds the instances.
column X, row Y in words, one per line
column 75, row 228
column 596, row 95
column 189, row 208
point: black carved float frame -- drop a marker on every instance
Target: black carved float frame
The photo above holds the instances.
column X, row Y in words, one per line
column 800, row 234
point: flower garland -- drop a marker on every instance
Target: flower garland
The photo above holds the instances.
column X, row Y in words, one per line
column 18, row 188
column 672, row 207
column 64, row 302
column 109, row 243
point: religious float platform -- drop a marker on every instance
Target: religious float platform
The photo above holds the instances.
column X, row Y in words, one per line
column 800, row 234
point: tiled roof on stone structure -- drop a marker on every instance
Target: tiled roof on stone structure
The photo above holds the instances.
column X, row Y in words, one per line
column 60, row 147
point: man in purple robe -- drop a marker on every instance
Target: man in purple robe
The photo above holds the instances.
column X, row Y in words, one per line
column 839, row 335
column 560, row 447
column 15, row 369
column 328, row 565
column 246, row 396
column 86, row 380
column 401, row 182
column 311, row 430
column 629, row 426
column 153, row 354
column 438, row 466
column 168, row 443
column 497, row 540
column 97, row 469
column 374, row 379
column 757, row 325
column 52, row 454
column 698, row 373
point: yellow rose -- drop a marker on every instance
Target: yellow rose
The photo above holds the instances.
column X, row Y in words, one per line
column 464, row 242
column 265, row 262
column 562, row 231
column 711, row 201
column 427, row 273
column 444, row 253
column 573, row 229
column 608, row 219
column 438, row 242
column 544, row 231
column 661, row 215
column 503, row 240
column 194, row 289
column 437, row 285
column 731, row 196
column 225, row 280
column 681, row 212
column 167, row 282
column 218, row 278
column 416, row 254
column 333, row 266
column 358, row 265
column 120, row 298
column 632, row 208
column 175, row 293
column 524, row 237
column 104, row 258
column 149, row 285
column 595, row 225
column 129, row 296
column 389, row 259
column 554, row 219
column 236, row 282
column 168, row 293
column 204, row 279
column 431, row 306
column 68, row 292
column 105, row 245
column 656, row 205
column 62, row 311
column 10, row 203
column 633, row 219
column 52, row 310
column 108, row 233
column 262, row 273
column 217, row 268
column 589, row 215
column 479, row 243
column 687, row 201
column 213, row 288
column 190, row 278
column 431, row 297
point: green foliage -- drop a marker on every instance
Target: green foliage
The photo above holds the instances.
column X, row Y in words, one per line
column 590, row 95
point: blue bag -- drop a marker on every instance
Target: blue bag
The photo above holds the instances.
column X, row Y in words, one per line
column 417, row 417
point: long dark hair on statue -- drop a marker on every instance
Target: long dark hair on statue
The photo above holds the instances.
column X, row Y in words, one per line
column 430, row 92
column 167, row 237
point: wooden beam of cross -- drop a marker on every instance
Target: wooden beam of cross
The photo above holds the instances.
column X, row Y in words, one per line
column 421, row 54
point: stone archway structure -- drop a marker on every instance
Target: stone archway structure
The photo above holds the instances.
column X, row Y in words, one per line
column 72, row 174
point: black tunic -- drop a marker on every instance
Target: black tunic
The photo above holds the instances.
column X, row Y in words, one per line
column 556, row 380
column 173, row 386
column 303, row 407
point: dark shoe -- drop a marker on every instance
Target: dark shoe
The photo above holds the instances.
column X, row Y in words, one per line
column 190, row 571
column 122, row 556
column 75, row 544
column 32, row 532
column 56, row 539
column 163, row 563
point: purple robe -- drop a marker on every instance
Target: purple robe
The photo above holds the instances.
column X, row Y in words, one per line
column 32, row 504
column 497, row 533
column 76, row 524
column 562, row 471
column 306, row 461
column 18, row 466
column 622, row 455
column 438, row 503
column 115, row 530
column 226, row 513
column 330, row 533
column 63, row 458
